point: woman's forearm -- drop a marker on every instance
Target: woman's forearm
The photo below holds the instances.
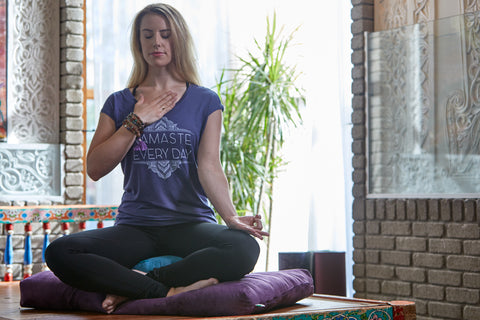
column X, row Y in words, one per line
column 105, row 156
column 215, row 185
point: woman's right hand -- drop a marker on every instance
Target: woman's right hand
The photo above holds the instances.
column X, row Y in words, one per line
column 109, row 145
column 151, row 111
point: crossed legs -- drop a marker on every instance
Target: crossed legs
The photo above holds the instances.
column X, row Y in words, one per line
column 101, row 260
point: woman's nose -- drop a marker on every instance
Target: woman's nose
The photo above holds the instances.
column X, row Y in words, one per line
column 158, row 41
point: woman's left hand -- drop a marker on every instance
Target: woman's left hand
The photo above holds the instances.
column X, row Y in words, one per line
column 251, row 224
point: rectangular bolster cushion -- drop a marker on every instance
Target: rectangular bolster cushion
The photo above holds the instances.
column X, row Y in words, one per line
column 255, row 293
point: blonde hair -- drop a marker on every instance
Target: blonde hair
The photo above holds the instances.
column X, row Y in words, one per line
column 183, row 60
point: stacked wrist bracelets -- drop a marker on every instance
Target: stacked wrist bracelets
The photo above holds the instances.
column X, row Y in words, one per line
column 134, row 124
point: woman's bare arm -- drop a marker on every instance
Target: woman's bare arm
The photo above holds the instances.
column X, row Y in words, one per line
column 108, row 147
column 215, row 183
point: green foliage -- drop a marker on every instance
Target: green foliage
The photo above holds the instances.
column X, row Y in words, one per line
column 261, row 100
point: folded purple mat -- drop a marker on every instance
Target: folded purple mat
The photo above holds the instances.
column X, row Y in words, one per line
column 255, row 293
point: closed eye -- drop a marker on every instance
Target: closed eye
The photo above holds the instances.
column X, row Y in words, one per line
column 165, row 34
column 148, row 34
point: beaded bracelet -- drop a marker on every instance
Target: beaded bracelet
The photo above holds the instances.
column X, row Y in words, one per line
column 134, row 124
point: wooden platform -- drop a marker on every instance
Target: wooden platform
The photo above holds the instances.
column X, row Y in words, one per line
column 317, row 306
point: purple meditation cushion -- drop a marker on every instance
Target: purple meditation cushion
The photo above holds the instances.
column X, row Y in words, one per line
column 255, row 293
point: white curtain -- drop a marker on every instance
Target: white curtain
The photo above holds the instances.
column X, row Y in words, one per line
column 312, row 202
column 312, row 196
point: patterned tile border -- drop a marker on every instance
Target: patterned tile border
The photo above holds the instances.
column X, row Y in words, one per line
column 63, row 213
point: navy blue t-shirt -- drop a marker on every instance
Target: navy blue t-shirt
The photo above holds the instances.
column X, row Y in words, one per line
column 161, row 184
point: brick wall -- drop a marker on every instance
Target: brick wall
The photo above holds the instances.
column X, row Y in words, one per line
column 422, row 250
column 71, row 96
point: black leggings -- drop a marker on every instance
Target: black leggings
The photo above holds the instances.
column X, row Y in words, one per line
column 101, row 260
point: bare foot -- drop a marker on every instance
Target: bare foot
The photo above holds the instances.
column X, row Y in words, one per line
column 194, row 286
column 111, row 302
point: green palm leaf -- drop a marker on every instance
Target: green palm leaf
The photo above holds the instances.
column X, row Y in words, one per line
column 261, row 100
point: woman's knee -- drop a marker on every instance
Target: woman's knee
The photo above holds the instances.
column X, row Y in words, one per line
column 244, row 252
column 59, row 254
column 250, row 249
column 55, row 252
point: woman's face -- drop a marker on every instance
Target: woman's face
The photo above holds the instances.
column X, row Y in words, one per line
column 155, row 40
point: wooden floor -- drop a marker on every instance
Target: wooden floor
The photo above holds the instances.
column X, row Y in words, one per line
column 10, row 308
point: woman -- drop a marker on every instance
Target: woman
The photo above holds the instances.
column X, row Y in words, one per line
column 165, row 131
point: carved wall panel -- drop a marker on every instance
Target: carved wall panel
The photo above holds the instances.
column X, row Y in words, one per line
column 471, row 5
column 33, row 71
column 401, row 114
column 30, row 171
column 424, row 108
column 31, row 159
column 463, row 105
column 390, row 14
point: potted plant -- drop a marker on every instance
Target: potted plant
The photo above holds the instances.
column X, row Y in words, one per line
column 261, row 100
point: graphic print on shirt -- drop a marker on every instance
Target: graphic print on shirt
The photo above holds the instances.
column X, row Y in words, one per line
column 167, row 148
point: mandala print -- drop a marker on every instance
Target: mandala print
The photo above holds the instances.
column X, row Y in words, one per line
column 165, row 168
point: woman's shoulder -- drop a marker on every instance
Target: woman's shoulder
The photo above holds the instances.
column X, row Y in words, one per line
column 118, row 102
column 125, row 93
column 202, row 91
column 121, row 97
column 206, row 97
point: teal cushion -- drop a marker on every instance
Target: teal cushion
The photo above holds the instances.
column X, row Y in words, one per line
column 155, row 262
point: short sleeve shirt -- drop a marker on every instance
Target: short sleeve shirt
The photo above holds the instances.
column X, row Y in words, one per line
column 161, row 184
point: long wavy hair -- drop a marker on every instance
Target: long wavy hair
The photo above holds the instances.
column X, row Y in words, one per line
column 183, row 60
